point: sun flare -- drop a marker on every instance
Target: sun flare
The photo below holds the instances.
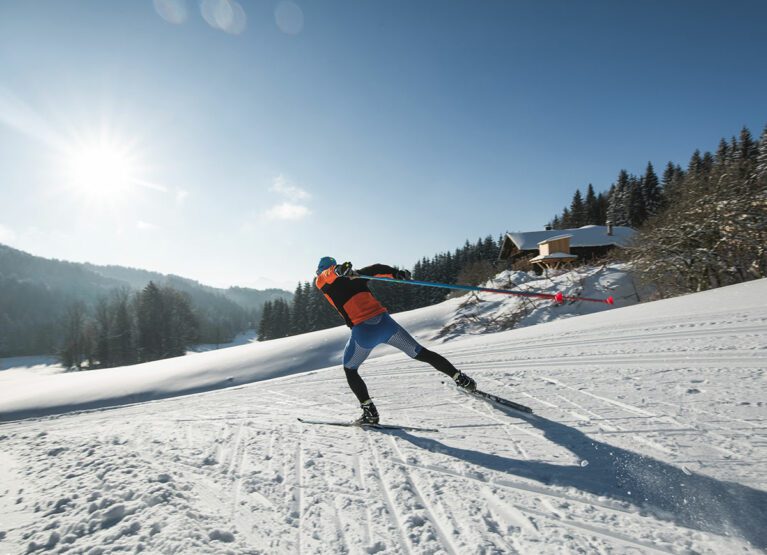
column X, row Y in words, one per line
column 101, row 170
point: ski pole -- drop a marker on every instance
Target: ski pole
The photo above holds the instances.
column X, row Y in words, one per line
column 558, row 297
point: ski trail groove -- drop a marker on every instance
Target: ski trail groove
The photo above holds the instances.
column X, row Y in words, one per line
column 357, row 465
column 396, row 517
column 439, row 527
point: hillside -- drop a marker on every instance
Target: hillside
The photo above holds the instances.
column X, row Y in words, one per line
column 35, row 293
column 648, row 436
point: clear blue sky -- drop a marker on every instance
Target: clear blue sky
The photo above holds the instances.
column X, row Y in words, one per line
column 242, row 141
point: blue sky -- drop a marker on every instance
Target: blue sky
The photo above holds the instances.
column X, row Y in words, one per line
column 243, row 140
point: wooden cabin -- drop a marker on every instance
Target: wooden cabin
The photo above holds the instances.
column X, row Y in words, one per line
column 586, row 243
column 554, row 252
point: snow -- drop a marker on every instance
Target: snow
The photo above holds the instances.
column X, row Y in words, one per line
column 586, row 236
column 36, row 393
column 648, row 436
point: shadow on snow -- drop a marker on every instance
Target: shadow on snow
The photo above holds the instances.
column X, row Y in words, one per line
column 690, row 500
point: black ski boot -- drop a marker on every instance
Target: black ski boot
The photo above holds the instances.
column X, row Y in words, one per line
column 369, row 413
column 465, row 382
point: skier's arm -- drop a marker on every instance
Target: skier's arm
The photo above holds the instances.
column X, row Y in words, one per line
column 378, row 270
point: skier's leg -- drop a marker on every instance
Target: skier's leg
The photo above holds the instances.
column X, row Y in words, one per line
column 401, row 339
column 445, row 366
column 357, row 384
column 354, row 355
column 437, row 361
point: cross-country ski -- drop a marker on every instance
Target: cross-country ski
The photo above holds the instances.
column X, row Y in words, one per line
column 364, row 425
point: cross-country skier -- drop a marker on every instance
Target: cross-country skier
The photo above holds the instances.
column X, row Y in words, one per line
column 371, row 325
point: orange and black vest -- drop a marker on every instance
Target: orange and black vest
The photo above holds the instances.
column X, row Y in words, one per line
column 351, row 296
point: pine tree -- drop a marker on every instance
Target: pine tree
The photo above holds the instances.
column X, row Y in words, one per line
column 151, row 323
column 651, row 192
column 104, row 324
column 760, row 171
column 265, row 325
column 618, row 202
column 591, row 207
column 695, row 166
column 299, row 310
column 123, row 348
column 722, row 156
column 577, row 210
column 636, row 211
column 166, row 323
column 566, row 219
column 76, row 347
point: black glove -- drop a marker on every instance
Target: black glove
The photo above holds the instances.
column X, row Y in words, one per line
column 345, row 270
column 403, row 274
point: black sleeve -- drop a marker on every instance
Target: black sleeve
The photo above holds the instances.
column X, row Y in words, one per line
column 377, row 270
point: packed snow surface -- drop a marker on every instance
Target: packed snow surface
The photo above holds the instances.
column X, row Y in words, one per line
column 649, row 435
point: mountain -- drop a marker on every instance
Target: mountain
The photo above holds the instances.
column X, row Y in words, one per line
column 35, row 293
column 647, row 436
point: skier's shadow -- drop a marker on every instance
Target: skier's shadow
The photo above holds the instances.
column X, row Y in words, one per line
column 690, row 500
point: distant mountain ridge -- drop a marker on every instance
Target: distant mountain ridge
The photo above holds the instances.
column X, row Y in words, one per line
column 35, row 293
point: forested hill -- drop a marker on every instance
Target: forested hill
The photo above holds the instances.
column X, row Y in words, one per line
column 36, row 292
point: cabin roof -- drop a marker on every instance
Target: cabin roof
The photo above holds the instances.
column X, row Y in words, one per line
column 586, row 236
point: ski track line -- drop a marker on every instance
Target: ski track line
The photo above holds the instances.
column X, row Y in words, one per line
column 582, row 417
column 709, row 414
column 396, row 517
column 509, row 511
column 612, row 428
column 519, row 486
column 297, row 494
column 616, row 537
column 673, row 420
column 541, row 401
column 235, row 470
column 236, row 447
column 569, row 522
column 501, row 514
column 357, row 466
column 606, row 336
column 340, row 534
column 439, row 527
column 743, row 446
column 638, row 411
column 674, row 360
column 503, row 425
column 624, row 406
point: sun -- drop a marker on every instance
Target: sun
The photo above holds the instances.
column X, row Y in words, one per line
column 102, row 170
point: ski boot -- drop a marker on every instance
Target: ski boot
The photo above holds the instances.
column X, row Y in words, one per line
column 369, row 413
column 465, row 382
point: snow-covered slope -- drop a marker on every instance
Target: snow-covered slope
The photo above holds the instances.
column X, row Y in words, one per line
column 29, row 392
column 649, row 436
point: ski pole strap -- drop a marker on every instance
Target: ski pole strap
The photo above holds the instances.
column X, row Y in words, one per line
column 558, row 297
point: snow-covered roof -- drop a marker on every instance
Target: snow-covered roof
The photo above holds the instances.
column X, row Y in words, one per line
column 554, row 238
column 554, row 256
column 586, row 236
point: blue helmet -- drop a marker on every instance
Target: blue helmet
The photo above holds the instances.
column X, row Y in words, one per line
column 325, row 263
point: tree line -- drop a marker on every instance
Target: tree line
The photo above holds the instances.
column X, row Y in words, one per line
column 128, row 328
column 36, row 295
column 700, row 227
column 310, row 311
column 711, row 229
column 630, row 201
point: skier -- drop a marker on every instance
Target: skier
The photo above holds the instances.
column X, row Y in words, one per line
column 371, row 325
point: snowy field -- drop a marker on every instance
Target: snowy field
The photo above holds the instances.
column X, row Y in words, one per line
column 650, row 436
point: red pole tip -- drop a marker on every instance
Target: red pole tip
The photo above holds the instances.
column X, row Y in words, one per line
column 610, row 300
column 559, row 297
